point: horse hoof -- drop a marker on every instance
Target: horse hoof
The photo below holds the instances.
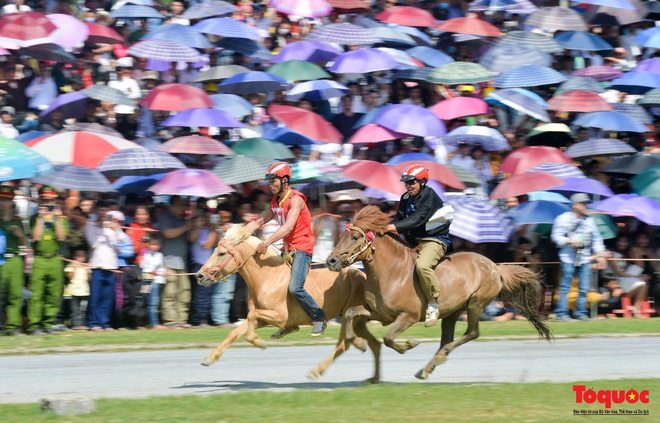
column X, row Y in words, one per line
column 371, row 381
column 313, row 375
column 412, row 343
column 422, row 374
column 207, row 361
column 360, row 344
column 257, row 342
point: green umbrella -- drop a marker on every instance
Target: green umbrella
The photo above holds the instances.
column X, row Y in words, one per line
column 238, row 169
column 298, row 70
column 606, row 226
column 460, row 73
column 647, row 183
column 467, row 177
column 262, row 147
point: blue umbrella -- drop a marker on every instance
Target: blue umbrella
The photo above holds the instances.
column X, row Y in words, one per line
column 522, row 100
column 420, row 37
column 505, row 57
column 203, row 118
column 246, row 47
column 430, row 56
column 317, row 90
column 541, row 211
column 309, row 50
column 18, row 161
column 166, row 50
column 138, row 161
column 287, row 136
column 30, row 135
column 137, row 184
column 72, row 105
column 529, row 76
column 136, row 11
column 636, row 82
column 580, row 40
column 253, row 82
column 634, row 111
column 391, row 36
column 208, row 9
column 649, row 37
column 540, row 41
column 548, row 196
column 183, row 34
column 233, row 104
column 411, row 119
column 67, row 176
column 411, row 157
column 227, row 27
column 415, row 74
column 610, row 121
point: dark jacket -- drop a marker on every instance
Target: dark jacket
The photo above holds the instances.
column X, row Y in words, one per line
column 414, row 226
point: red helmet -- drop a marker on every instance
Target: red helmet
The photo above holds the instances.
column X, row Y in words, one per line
column 278, row 170
column 415, row 171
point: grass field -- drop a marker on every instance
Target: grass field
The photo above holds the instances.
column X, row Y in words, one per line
column 437, row 402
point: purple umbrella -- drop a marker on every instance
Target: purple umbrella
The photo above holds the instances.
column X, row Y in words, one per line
column 203, row 118
column 308, row 50
column 586, row 185
column 191, row 182
column 649, row 65
column 72, row 105
column 643, row 208
column 412, row 120
column 599, row 73
column 363, row 61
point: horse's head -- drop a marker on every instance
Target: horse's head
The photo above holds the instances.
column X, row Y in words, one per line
column 227, row 257
column 355, row 244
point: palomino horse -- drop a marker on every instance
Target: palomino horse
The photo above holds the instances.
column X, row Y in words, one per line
column 468, row 281
column 268, row 280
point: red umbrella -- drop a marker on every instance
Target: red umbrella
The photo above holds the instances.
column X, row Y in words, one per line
column 306, row 123
column 472, row 26
column 176, row 97
column 26, row 29
column 578, row 101
column 457, row 107
column 372, row 132
column 195, row 144
column 374, row 175
column 407, row 16
column 350, row 6
column 103, row 34
column 438, row 172
column 522, row 159
column 525, row 183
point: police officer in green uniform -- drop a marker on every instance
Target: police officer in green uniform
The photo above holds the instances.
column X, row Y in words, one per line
column 49, row 229
column 12, row 271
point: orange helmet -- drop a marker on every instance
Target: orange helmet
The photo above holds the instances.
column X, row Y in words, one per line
column 415, row 171
column 278, row 170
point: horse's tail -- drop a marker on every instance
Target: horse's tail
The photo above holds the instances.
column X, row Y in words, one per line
column 522, row 289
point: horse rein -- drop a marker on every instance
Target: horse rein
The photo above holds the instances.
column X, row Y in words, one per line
column 232, row 255
column 368, row 237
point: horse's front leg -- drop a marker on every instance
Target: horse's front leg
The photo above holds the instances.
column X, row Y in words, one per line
column 342, row 345
column 360, row 325
column 233, row 336
column 257, row 318
column 350, row 315
column 402, row 322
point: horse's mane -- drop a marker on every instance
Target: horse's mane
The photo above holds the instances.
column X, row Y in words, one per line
column 237, row 234
column 370, row 218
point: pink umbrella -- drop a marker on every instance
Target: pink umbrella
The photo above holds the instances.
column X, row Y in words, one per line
column 374, row 175
column 522, row 159
column 304, row 8
column 26, row 29
column 80, row 148
column 72, row 32
column 372, row 132
column 195, row 144
column 437, row 172
column 191, row 182
column 176, row 97
column 458, row 107
column 306, row 123
column 525, row 183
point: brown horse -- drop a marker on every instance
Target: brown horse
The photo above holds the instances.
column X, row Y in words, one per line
column 267, row 278
column 468, row 282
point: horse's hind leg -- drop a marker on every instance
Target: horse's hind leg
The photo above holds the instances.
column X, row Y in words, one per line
column 447, row 345
column 402, row 322
column 360, row 325
column 342, row 345
column 351, row 314
column 233, row 336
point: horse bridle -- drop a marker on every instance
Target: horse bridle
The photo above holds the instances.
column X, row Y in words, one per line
column 232, row 255
column 368, row 237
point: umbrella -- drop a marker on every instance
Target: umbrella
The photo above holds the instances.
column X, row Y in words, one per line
column 138, row 161
column 579, row 40
column 305, row 9
column 191, row 182
column 108, row 94
column 309, row 50
column 29, row 135
column 647, row 183
column 599, row 73
column 437, row 172
column 649, row 65
column 460, row 73
column 402, row 58
column 556, row 19
column 580, row 83
column 233, row 104
column 396, row 159
column 548, row 196
column 540, row 41
column 306, row 123
column 490, row 139
column 648, row 38
column 288, row 137
column 136, row 184
column 505, row 57
column 350, row 6
column 183, row 34
column 602, row 147
column 525, row 182
column 26, row 29
column 626, row 16
column 209, row 9
column 166, row 50
column 430, row 56
column 80, row 148
column 519, row 160
column 374, row 175
column 636, row 82
column 586, row 185
column 476, row 220
column 529, row 76
column 218, row 73
column 635, row 111
column 71, row 105
column 414, row 74
column 522, row 100
column 227, row 27
column 343, row 33
column 632, row 165
column 578, row 101
column 492, row 5
column 471, row 26
column 68, row 176
column 102, row 34
column 372, row 132
column 136, row 11
column 95, row 128
column 392, row 37
column 203, row 117
column 551, row 134
column 412, row 120
column 643, row 208
column 254, row 49
column 175, row 98
column 312, row 171
column 610, row 121
column 50, row 51
column 72, row 32
column 17, row 161
column 298, row 70
column 534, row 212
column 262, row 147
column 362, row 61
column 562, row 170
column 253, row 82
column 458, row 107
column 195, row 144
column 317, row 90
column 616, row 4
column 238, row 169
column 651, row 98
column 407, row 16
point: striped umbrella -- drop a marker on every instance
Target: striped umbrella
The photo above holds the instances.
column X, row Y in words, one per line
column 525, row 182
column 460, row 73
column 136, row 11
column 183, row 34
column 522, row 7
column 417, row 74
column 253, row 82
column 209, row 9
column 262, row 147
column 191, row 182
column 343, row 33
column 138, row 162
column 540, row 41
column 238, row 169
column 599, row 73
column 430, row 56
column 556, row 19
column 195, row 144
column 651, row 98
column 562, row 170
column 505, row 57
column 578, row 101
column 478, row 221
column 67, row 176
column 634, row 111
column 489, row 138
column 578, row 40
column 306, row 9
column 522, row 100
column 470, row 26
column 465, row 176
column 626, row 16
column 602, row 147
column 610, row 121
column 529, row 76
column 227, row 27
column 104, row 93
column 615, row 4
column 580, row 83
column 169, row 51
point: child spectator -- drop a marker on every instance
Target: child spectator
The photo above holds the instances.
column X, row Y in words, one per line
column 153, row 278
column 76, row 290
